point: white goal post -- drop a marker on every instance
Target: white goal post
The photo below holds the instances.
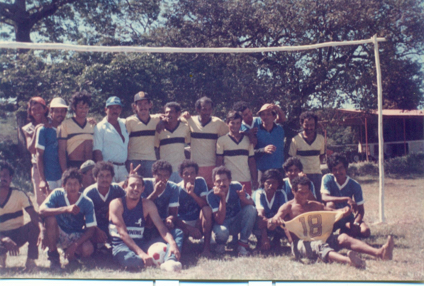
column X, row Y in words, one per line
column 170, row 50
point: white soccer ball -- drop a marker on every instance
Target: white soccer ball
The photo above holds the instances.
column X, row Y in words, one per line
column 157, row 252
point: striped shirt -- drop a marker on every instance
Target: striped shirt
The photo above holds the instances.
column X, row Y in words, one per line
column 74, row 134
column 11, row 213
column 308, row 153
column 142, row 137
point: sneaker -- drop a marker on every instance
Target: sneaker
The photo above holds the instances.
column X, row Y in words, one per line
column 242, row 251
column 171, row 266
column 54, row 260
column 30, row 265
column 220, row 248
column 3, row 261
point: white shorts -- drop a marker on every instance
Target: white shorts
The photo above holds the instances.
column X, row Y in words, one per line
column 66, row 239
column 121, row 173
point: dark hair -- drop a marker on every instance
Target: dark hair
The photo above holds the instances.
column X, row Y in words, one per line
column 293, row 161
column 240, row 106
column 335, row 159
column 304, row 181
column 8, row 166
column 201, row 100
column 221, row 170
column 71, row 173
column 308, row 115
column 187, row 164
column 83, row 96
column 103, row 166
column 233, row 115
column 173, row 104
column 161, row 165
column 30, row 104
column 272, row 174
column 133, row 176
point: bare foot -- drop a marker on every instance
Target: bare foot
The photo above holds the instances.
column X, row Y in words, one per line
column 355, row 260
column 387, row 249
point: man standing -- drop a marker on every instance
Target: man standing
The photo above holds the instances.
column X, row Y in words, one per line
column 270, row 147
column 69, row 220
column 205, row 130
column 172, row 139
column 235, row 152
column 75, row 135
column 48, row 148
column 232, row 210
column 339, row 190
column 128, row 217
column 111, row 139
column 141, row 128
column 13, row 232
column 102, row 193
column 309, row 146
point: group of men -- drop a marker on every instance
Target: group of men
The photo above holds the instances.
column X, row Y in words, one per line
column 140, row 189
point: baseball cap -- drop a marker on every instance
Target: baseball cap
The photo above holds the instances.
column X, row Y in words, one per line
column 266, row 106
column 87, row 166
column 58, row 102
column 38, row 99
column 141, row 96
column 113, row 100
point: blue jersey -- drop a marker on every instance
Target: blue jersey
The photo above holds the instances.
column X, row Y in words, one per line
column 47, row 141
column 167, row 199
column 274, row 137
column 70, row 223
column 189, row 209
column 270, row 207
column 101, row 203
column 233, row 206
column 350, row 188
column 134, row 221
column 287, row 188
column 255, row 123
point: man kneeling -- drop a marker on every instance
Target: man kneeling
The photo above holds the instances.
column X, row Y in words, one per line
column 127, row 217
column 327, row 249
column 69, row 220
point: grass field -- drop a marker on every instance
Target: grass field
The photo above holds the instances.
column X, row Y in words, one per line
column 404, row 201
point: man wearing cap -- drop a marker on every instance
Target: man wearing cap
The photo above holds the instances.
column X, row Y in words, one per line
column 75, row 135
column 47, row 148
column 111, row 139
column 270, row 147
column 86, row 170
column 141, row 129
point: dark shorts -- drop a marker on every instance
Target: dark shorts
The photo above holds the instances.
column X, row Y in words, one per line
column 75, row 164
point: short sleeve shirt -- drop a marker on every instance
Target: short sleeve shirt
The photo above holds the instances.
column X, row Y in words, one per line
column 171, row 144
column 233, row 206
column 142, row 137
column 189, row 209
column 308, row 153
column 11, row 211
column 270, row 207
column 71, row 223
column 350, row 188
column 203, row 139
column 47, row 141
column 169, row 198
column 275, row 137
column 236, row 156
column 287, row 189
column 74, row 134
column 255, row 123
column 101, row 203
column 109, row 142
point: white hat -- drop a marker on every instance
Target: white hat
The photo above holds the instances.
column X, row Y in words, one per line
column 58, row 102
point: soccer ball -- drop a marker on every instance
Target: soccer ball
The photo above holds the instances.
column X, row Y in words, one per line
column 157, row 252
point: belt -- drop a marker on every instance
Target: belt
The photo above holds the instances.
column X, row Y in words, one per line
column 118, row 164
